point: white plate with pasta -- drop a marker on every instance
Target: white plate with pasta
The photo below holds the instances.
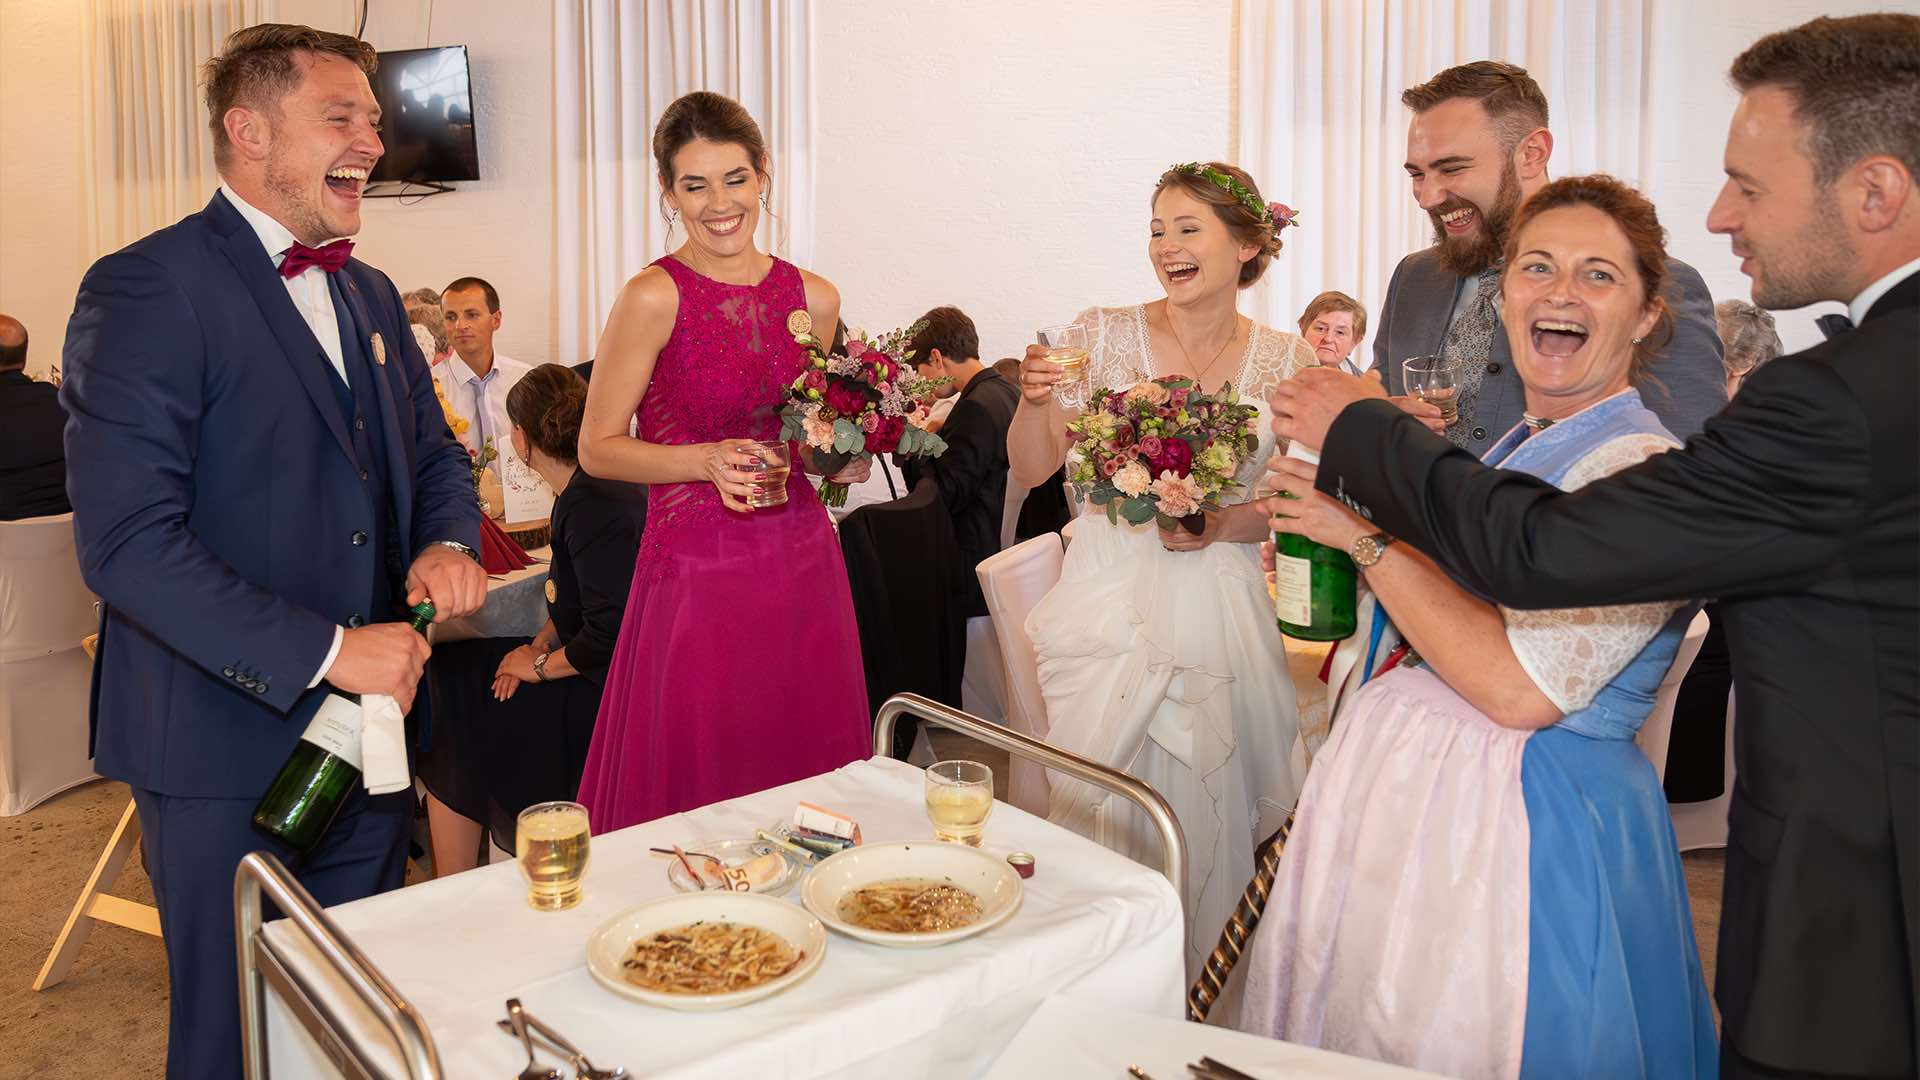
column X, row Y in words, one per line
column 912, row 895
column 705, row 951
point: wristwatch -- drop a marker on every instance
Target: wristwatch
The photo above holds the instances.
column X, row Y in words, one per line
column 459, row 547
column 1367, row 550
column 540, row 666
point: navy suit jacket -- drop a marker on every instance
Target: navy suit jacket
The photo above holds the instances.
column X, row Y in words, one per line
column 1419, row 306
column 217, row 494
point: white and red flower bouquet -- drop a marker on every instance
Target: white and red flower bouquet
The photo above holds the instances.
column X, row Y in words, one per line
column 1160, row 449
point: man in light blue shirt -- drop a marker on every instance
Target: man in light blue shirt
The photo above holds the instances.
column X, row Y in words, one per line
column 476, row 379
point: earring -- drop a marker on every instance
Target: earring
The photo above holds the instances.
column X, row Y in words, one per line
column 1639, row 341
column 763, row 203
column 673, row 220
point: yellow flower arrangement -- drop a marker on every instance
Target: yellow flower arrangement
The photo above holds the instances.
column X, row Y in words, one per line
column 455, row 422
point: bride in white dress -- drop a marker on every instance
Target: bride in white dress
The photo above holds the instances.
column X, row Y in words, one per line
column 1158, row 651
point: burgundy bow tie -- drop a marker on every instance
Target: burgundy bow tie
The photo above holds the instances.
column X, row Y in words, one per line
column 328, row 257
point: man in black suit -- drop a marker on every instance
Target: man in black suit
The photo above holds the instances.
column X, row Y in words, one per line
column 973, row 471
column 1477, row 147
column 33, row 461
column 1798, row 507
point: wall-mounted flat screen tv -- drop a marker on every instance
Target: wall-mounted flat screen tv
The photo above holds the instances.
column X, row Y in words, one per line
column 426, row 105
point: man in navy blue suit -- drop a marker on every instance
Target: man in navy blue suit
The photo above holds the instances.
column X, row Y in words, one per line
column 262, row 480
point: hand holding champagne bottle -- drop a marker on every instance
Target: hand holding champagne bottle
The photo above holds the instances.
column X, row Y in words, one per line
column 1316, row 587
column 324, row 767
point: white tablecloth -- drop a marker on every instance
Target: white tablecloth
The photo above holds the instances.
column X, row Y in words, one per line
column 1071, row 1037
column 1092, row 923
column 516, row 605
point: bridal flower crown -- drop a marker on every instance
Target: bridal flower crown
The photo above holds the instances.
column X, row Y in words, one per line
column 1275, row 215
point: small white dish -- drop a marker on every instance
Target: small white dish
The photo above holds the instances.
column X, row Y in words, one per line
column 612, row 943
column 989, row 878
column 734, row 853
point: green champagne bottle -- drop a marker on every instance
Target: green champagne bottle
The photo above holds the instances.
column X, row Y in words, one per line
column 1316, row 590
column 318, row 776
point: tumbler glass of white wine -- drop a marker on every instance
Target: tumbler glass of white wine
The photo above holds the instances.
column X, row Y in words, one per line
column 551, row 847
column 959, row 798
column 773, row 464
column 1435, row 381
column 1067, row 346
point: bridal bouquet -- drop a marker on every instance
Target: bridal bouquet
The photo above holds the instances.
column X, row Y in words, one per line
column 1160, row 449
column 855, row 406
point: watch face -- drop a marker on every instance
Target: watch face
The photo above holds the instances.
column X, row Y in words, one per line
column 1366, row 551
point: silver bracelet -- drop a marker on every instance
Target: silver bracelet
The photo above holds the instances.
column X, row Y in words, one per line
column 457, row 546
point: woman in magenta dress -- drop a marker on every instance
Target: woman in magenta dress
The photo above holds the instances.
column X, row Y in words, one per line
column 738, row 663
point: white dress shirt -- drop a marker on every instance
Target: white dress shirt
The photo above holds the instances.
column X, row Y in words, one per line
column 1869, row 296
column 481, row 400
column 314, row 301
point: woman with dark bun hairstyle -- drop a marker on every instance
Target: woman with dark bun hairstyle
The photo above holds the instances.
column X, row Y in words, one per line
column 738, row 667
column 513, row 717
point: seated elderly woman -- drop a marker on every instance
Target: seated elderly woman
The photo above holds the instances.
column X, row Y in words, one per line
column 513, row 717
column 1482, row 878
column 1334, row 325
column 1748, row 338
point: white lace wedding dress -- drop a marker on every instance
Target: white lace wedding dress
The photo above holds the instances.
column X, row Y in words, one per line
column 1168, row 664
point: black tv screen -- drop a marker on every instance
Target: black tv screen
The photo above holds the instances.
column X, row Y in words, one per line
column 426, row 106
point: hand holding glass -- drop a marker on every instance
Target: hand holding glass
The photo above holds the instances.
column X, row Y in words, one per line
column 1436, row 382
column 959, row 799
column 1067, row 347
column 551, row 847
column 769, row 486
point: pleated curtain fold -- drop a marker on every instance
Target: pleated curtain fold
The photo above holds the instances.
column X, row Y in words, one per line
column 617, row 65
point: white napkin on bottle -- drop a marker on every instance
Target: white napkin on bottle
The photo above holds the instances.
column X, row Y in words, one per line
column 383, row 745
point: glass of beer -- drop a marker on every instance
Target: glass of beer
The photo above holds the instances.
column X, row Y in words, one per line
column 1436, row 382
column 769, row 486
column 1067, row 346
column 959, row 798
column 551, row 848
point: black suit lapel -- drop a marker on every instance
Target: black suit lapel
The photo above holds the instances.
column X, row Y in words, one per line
column 303, row 352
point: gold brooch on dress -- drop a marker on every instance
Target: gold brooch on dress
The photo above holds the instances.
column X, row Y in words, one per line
column 799, row 322
column 553, row 594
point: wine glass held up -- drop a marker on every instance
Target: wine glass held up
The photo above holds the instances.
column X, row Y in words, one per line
column 1435, row 381
column 1067, row 347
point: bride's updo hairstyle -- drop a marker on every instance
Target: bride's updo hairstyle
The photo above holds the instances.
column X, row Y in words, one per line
column 1245, row 224
column 1636, row 218
column 704, row 114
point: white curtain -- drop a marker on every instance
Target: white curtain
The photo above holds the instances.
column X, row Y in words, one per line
column 617, row 65
column 146, row 153
column 1319, row 124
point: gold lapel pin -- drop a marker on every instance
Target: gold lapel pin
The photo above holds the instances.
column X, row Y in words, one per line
column 379, row 349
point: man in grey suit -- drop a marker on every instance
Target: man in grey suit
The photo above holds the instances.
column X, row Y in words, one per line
column 1476, row 149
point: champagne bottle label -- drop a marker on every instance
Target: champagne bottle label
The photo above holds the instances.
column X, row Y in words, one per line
column 1293, row 589
column 336, row 729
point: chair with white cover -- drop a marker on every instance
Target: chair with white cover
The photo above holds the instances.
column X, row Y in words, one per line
column 1658, row 728
column 45, row 611
column 1013, row 581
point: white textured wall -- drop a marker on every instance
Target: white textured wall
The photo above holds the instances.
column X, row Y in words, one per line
column 41, row 230
column 998, row 155
column 1697, row 42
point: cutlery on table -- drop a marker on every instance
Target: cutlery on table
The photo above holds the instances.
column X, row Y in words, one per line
column 533, row 1071
column 581, row 1066
column 1208, row 1069
column 1138, row 1073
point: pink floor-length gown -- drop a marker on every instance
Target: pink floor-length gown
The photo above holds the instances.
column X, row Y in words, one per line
column 738, row 664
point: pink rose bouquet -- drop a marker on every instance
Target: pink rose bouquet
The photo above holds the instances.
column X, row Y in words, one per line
column 1161, row 450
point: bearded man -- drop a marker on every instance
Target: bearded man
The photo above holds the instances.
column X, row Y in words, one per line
column 1477, row 147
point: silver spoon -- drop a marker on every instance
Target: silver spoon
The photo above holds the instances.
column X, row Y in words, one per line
column 581, row 1065
column 518, row 1017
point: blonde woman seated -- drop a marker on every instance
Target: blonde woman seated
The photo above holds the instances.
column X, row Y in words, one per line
column 1158, row 651
column 1482, row 879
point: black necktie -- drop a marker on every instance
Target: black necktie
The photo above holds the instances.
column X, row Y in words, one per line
column 1833, row 325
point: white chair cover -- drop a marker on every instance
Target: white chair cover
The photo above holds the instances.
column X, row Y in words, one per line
column 45, row 609
column 1014, row 580
column 983, row 684
column 1655, row 733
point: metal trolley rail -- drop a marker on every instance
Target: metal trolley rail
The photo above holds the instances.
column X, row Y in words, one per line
column 1173, row 843
column 263, row 967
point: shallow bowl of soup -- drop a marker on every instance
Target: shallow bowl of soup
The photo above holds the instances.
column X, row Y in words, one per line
column 912, row 895
column 708, row 950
